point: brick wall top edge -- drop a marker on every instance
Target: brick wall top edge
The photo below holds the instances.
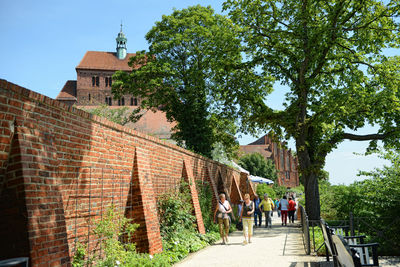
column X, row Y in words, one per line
column 96, row 119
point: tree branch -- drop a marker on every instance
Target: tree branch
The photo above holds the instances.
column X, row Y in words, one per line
column 366, row 137
column 322, row 60
column 368, row 23
column 364, row 63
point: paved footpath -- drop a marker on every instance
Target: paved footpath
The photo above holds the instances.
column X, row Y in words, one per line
column 280, row 246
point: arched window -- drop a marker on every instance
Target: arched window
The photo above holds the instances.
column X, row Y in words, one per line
column 287, row 161
column 108, row 81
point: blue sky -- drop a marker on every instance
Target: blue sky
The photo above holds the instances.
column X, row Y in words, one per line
column 43, row 41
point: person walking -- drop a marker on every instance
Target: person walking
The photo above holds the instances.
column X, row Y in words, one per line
column 246, row 217
column 291, row 209
column 277, row 207
column 267, row 206
column 284, row 205
column 223, row 208
column 240, row 205
column 257, row 211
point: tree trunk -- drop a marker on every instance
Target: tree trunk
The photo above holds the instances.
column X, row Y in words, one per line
column 310, row 180
column 312, row 195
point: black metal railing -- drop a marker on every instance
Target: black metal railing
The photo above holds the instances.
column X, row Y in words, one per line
column 305, row 229
column 377, row 230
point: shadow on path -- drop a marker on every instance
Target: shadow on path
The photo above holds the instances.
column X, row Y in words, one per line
column 279, row 246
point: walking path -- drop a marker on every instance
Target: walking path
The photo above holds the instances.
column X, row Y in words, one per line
column 280, row 246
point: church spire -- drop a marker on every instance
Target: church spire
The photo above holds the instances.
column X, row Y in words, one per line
column 121, row 44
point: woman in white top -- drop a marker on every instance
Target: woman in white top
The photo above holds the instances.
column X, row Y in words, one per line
column 223, row 208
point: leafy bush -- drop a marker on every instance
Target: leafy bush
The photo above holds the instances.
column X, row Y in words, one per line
column 205, row 195
column 178, row 225
column 256, row 164
column 175, row 212
column 279, row 190
column 317, row 240
column 265, row 189
column 372, row 202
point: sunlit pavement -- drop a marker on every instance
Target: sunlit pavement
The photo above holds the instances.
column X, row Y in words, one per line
column 279, row 246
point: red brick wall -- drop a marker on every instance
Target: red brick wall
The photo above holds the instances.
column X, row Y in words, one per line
column 60, row 168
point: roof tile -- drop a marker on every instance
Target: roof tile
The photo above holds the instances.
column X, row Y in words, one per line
column 68, row 92
column 104, row 61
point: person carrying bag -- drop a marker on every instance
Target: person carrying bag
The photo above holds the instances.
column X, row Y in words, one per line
column 223, row 208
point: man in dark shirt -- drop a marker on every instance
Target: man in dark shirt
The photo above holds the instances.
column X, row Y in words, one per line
column 257, row 212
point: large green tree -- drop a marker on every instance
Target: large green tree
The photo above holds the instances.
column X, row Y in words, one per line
column 192, row 57
column 330, row 56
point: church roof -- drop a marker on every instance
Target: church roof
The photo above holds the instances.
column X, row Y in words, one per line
column 262, row 141
column 95, row 60
column 68, row 92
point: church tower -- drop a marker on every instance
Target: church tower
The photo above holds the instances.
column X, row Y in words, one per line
column 121, row 45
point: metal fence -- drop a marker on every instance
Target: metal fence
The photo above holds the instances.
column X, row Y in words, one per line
column 305, row 229
column 93, row 192
column 379, row 230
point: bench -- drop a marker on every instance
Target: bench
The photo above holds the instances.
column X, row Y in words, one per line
column 342, row 230
column 368, row 253
column 330, row 249
column 350, row 250
column 21, row 261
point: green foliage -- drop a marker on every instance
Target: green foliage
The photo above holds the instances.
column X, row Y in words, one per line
column 205, row 195
column 329, row 55
column 317, row 240
column 178, row 225
column 178, row 229
column 175, row 212
column 279, row 190
column 146, row 260
column 192, row 56
column 299, row 190
column 111, row 230
column 79, row 256
column 117, row 115
column 257, row 165
column 372, row 202
column 266, row 189
column 220, row 153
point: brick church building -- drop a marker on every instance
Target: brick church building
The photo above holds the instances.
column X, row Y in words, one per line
column 285, row 163
column 93, row 88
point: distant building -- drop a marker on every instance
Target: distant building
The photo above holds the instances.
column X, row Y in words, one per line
column 285, row 162
column 93, row 88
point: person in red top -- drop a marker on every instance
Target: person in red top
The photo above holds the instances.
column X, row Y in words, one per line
column 291, row 209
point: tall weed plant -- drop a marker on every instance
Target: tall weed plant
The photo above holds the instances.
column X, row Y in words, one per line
column 115, row 246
